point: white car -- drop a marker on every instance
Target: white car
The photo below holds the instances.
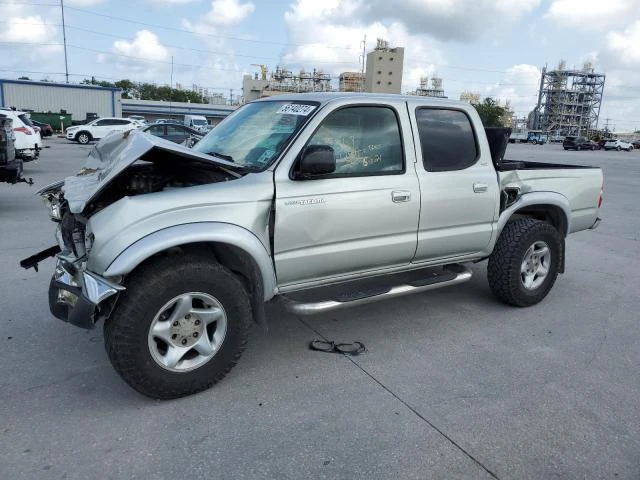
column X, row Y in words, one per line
column 100, row 128
column 28, row 142
column 618, row 145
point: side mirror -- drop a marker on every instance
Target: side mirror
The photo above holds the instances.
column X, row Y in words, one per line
column 317, row 160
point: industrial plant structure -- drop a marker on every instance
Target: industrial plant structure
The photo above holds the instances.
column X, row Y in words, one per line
column 424, row 90
column 351, row 82
column 569, row 101
column 282, row 81
column 470, row 97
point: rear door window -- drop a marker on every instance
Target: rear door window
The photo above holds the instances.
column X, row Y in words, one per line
column 447, row 139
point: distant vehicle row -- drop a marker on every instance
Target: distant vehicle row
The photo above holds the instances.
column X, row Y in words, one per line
column 583, row 143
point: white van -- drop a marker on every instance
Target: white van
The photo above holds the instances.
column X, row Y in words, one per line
column 197, row 122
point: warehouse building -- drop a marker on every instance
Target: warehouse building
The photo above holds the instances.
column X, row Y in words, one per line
column 153, row 110
column 80, row 101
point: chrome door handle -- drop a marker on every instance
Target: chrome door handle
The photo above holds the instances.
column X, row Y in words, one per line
column 400, row 196
column 480, row 187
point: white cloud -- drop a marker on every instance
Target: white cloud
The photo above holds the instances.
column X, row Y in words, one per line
column 29, row 30
column 450, row 19
column 592, row 14
column 228, row 12
column 144, row 57
column 145, row 45
column 519, row 86
column 337, row 34
column 169, row 3
column 217, row 66
column 83, row 3
column 624, row 46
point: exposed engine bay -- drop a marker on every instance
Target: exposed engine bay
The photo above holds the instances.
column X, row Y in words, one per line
column 155, row 176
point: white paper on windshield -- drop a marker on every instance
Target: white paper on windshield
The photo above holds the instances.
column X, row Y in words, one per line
column 296, row 109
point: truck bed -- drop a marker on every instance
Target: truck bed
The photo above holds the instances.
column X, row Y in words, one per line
column 509, row 165
column 580, row 185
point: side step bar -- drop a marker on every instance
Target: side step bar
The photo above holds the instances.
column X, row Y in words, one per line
column 452, row 275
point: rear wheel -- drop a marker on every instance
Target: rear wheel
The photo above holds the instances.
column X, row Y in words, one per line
column 180, row 326
column 618, row 148
column 630, row 149
column 578, row 148
column 534, row 141
column 525, row 261
column 593, row 148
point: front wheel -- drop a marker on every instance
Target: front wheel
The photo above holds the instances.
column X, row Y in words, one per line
column 535, row 142
column 179, row 327
column 592, row 148
column 578, row 148
column 630, row 149
column 618, row 148
column 83, row 138
column 525, row 262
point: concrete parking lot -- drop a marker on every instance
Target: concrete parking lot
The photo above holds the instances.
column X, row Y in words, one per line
column 454, row 383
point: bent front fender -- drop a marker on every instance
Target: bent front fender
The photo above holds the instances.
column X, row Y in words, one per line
column 226, row 233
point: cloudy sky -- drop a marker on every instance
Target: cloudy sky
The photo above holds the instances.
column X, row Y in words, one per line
column 495, row 47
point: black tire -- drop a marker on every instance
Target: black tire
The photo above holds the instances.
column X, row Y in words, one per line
column 578, row 148
column 534, row 141
column 83, row 138
column 593, row 148
column 151, row 286
column 505, row 263
column 618, row 148
column 566, row 148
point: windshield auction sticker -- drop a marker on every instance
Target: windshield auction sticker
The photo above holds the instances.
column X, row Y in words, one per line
column 296, row 109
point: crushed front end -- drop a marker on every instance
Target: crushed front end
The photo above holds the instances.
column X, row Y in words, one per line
column 76, row 295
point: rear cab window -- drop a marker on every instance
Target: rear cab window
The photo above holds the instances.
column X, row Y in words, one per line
column 447, row 139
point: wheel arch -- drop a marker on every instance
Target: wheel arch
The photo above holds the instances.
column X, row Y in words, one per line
column 232, row 246
column 549, row 207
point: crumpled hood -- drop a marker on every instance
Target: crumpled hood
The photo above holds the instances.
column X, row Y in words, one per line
column 113, row 154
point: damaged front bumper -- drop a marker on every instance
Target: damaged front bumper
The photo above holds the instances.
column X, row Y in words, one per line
column 80, row 297
column 76, row 296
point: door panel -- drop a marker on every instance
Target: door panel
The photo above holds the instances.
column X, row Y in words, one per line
column 362, row 218
column 460, row 194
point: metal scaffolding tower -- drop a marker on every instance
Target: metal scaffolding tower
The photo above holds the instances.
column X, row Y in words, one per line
column 569, row 101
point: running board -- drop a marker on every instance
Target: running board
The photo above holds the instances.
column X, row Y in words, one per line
column 450, row 275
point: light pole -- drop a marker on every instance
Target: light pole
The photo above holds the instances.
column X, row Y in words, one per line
column 64, row 41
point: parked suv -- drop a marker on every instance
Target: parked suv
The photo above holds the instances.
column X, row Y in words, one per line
column 28, row 142
column 99, row 128
column 618, row 145
column 578, row 143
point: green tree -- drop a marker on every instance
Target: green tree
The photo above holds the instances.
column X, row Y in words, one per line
column 491, row 113
column 148, row 91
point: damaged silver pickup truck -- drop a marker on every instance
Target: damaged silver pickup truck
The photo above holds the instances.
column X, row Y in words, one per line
column 325, row 201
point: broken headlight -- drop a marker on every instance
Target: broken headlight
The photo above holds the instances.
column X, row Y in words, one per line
column 53, row 203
